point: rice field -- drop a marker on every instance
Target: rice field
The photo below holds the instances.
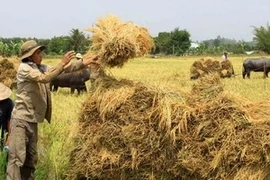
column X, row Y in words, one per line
column 175, row 73
column 55, row 140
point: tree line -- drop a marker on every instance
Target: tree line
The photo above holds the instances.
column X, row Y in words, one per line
column 177, row 42
column 76, row 40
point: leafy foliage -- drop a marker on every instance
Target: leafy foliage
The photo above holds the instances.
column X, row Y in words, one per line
column 9, row 48
column 59, row 45
column 262, row 38
column 78, row 41
column 219, row 45
column 175, row 42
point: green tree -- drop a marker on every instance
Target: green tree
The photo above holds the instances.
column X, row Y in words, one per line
column 44, row 42
column 4, row 50
column 201, row 49
column 9, row 48
column 162, row 42
column 78, row 41
column 262, row 38
column 217, row 41
column 59, row 45
column 180, row 41
column 14, row 48
column 175, row 42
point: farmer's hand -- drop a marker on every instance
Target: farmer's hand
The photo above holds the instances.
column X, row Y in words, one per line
column 91, row 60
column 67, row 57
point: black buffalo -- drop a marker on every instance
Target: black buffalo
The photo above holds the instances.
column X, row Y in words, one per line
column 74, row 80
column 256, row 65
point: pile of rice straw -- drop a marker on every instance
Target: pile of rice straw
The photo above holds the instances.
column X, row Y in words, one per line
column 7, row 73
column 127, row 130
column 205, row 66
column 117, row 41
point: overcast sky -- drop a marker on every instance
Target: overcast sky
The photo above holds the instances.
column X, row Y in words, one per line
column 203, row 19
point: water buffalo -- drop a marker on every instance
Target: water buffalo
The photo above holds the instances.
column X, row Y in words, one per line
column 74, row 80
column 257, row 65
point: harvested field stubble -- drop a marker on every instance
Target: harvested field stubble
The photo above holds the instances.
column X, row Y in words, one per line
column 130, row 131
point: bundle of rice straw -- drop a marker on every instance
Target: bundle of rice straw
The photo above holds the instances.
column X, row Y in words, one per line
column 228, row 67
column 118, row 41
column 205, row 66
column 127, row 130
column 7, row 73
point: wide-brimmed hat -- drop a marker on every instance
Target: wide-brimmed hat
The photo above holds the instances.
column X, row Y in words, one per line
column 29, row 47
column 78, row 55
column 5, row 92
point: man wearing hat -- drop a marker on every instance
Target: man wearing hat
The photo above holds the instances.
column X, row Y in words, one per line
column 33, row 105
column 79, row 56
column 6, row 106
column 224, row 57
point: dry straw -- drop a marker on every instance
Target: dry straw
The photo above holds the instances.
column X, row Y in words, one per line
column 207, row 65
column 7, row 73
column 130, row 131
column 117, row 41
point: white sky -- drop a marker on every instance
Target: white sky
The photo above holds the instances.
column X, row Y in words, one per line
column 203, row 19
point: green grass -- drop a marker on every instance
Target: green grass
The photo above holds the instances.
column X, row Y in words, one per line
column 55, row 140
column 3, row 163
column 3, row 160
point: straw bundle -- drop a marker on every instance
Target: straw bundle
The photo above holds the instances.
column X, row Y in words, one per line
column 7, row 73
column 196, row 70
column 207, row 65
column 130, row 131
column 227, row 65
column 144, row 41
column 206, row 89
column 118, row 41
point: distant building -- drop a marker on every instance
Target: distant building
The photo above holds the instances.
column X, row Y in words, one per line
column 249, row 52
column 193, row 48
column 194, row 45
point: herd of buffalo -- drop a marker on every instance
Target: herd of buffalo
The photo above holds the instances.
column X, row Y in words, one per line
column 76, row 80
